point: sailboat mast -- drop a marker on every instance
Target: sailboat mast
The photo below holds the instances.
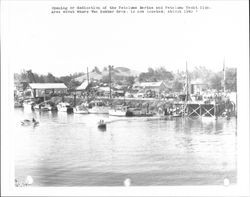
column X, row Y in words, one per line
column 110, row 67
column 88, row 75
column 224, row 77
column 87, row 85
column 187, row 85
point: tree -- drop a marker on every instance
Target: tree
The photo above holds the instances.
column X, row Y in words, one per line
column 200, row 72
column 177, row 86
column 73, row 84
column 231, row 79
column 216, row 81
column 50, row 78
column 96, row 69
column 66, row 80
column 105, row 78
column 130, row 80
column 151, row 70
column 156, row 75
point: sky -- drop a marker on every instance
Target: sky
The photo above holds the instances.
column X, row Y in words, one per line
column 33, row 38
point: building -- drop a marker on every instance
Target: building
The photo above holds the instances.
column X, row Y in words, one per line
column 104, row 91
column 35, row 90
column 198, row 87
column 83, row 86
column 156, row 88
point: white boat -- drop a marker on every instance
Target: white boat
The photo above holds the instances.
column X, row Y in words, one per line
column 28, row 105
column 45, row 106
column 98, row 107
column 64, row 107
column 118, row 111
column 80, row 109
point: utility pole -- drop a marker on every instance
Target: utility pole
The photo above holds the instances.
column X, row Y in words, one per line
column 110, row 68
column 224, row 77
column 87, row 85
column 185, row 106
column 187, row 86
column 88, row 75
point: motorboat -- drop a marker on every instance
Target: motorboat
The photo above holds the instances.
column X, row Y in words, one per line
column 176, row 114
column 64, row 107
column 140, row 113
column 80, row 109
column 98, row 107
column 27, row 122
column 119, row 111
column 28, row 105
column 18, row 104
column 102, row 125
column 45, row 106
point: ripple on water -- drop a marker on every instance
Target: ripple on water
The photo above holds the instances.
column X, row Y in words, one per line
column 69, row 150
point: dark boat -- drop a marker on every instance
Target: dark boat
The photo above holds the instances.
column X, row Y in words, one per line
column 102, row 125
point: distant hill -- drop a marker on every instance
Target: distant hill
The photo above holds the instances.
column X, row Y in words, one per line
column 92, row 75
column 122, row 71
column 118, row 71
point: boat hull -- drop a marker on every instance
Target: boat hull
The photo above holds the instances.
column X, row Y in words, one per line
column 80, row 111
column 64, row 107
column 117, row 113
column 98, row 110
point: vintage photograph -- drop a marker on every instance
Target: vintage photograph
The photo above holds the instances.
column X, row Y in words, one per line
column 125, row 94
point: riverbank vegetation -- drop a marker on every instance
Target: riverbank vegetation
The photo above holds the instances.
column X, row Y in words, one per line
column 124, row 76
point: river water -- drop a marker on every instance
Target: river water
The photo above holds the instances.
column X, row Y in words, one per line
column 69, row 150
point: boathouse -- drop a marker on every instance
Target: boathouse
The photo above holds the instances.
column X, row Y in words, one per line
column 35, row 90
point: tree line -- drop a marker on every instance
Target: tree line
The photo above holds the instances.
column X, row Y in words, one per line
column 176, row 79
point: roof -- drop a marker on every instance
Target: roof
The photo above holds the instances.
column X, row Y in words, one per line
column 198, row 82
column 47, row 85
column 104, row 89
column 83, row 86
column 151, row 84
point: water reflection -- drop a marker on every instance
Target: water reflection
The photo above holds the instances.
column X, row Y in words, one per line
column 69, row 150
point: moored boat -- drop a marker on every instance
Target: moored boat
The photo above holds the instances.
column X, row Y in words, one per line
column 98, row 107
column 64, row 107
column 45, row 106
column 119, row 111
column 137, row 112
column 18, row 104
column 28, row 105
column 80, row 109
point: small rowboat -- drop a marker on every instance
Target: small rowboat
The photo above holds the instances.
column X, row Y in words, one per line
column 102, row 125
column 27, row 122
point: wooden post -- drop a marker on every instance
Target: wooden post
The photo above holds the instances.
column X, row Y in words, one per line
column 110, row 67
column 44, row 95
column 88, row 75
column 215, row 111
column 200, row 110
column 88, row 85
column 224, row 77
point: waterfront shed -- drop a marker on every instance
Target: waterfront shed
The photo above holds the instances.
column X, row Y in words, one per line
column 45, row 89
